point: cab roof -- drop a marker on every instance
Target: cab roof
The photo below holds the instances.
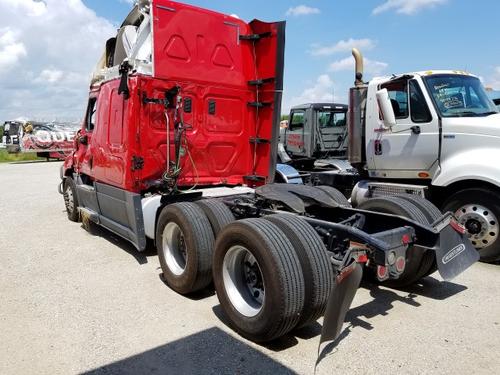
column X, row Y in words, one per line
column 423, row 73
column 342, row 107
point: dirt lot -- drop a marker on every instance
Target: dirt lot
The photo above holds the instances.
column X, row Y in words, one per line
column 74, row 302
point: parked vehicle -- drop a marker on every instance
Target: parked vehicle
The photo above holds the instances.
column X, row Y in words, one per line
column 179, row 147
column 51, row 140
column 431, row 134
column 316, row 132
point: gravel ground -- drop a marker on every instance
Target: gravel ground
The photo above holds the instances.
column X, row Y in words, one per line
column 75, row 302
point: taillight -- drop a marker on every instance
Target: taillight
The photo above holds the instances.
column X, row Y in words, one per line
column 382, row 272
column 400, row 264
column 406, row 239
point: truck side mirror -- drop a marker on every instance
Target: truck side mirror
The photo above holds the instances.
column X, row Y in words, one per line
column 385, row 106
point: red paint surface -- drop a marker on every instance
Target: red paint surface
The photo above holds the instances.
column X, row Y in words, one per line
column 199, row 51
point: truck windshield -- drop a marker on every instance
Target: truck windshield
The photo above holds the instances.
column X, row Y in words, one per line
column 330, row 119
column 458, row 96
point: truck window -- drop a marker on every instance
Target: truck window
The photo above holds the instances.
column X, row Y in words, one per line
column 91, row 114
column 418, row 106
column 330, row 119
column 459, row 95
column 398, row 92
column 297, row 120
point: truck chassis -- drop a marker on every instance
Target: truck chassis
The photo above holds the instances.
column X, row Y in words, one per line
column 280, row 256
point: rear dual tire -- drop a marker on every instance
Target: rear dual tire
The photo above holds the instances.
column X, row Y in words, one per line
column 271, row 274
column 259, row 281
column 418, row 261
column 185, row 242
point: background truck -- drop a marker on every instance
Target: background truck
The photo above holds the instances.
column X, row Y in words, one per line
column 316, row 136
column 51, row 140
column 432, row 133
column 178, row 148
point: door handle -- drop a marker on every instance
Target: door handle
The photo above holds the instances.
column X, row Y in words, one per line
column 378, row 147
column 416, row 130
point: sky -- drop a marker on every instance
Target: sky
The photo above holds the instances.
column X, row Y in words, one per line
column 48, row 48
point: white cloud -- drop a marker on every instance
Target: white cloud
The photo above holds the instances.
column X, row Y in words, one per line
column 342, row 46
column 371, row 66
column 302, row 10
column 11, row 50
column 48, row 50
column 407, row 6
column 50, row 76
column 321, row 91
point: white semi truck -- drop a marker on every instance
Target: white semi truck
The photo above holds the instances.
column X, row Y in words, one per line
column 432, row 133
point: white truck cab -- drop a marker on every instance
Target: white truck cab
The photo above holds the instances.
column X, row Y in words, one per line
column 446, row 128
column 434, row 133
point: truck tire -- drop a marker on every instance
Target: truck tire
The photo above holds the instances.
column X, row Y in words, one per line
column 258, row 279
column 71, row 199
column 217, row 213
column 313, row 258
column 185, row 242
column 335, row 194
column 432, row 213
column 414, row 256
column 479, row 211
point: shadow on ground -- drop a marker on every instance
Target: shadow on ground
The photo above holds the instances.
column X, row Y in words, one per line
column 140, row 256
column 208, row 352
column 383, row 301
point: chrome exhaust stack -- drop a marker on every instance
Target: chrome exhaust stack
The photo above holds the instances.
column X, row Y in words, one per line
column 356, row 116
column 358, row 58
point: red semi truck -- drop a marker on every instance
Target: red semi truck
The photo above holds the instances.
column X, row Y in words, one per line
column 179, row 147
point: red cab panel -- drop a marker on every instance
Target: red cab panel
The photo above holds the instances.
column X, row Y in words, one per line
column 229, row 77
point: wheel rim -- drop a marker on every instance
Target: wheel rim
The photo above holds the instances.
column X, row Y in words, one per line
column 481, row 224
column 69, row 200
column 174, row 248
column 243, row 281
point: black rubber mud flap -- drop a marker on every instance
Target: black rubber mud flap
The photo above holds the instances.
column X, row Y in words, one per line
column 455, row 253
column 339, row 302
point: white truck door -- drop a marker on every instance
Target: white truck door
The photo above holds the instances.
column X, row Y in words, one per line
column 412, row 145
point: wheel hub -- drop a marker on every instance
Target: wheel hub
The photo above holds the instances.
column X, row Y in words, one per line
column 254, row 279
column 243, row 281
column 174, row 248
column 481, row 224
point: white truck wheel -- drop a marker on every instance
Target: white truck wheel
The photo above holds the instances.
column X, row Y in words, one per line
column 479, row 212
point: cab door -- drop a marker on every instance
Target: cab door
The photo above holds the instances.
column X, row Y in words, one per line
column 85, row 147
column 412, row 145
column 297, row 132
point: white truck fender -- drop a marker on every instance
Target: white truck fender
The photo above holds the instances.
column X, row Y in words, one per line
column 473, row 164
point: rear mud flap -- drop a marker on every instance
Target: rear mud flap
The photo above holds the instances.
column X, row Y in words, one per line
column 454, row 254
column 339, row 302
